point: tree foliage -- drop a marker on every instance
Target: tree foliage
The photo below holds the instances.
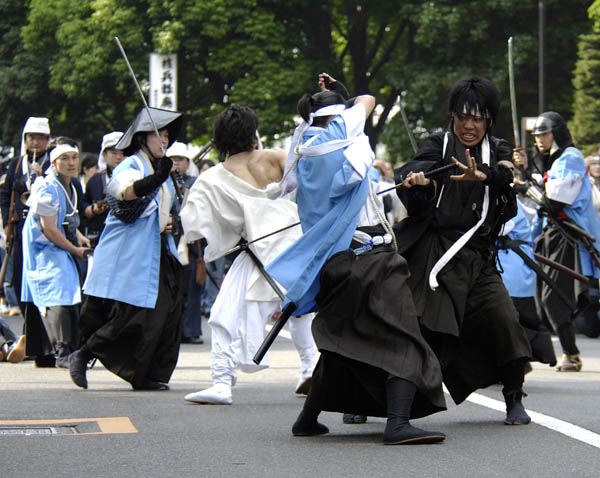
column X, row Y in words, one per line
column 585, row 126
column 267, row 53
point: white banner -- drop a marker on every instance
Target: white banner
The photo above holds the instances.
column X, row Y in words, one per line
column 163, row 81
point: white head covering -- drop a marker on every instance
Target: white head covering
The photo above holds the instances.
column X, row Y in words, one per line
column 34, row 125
column 178, row 149
column 108, row 141
column 61, row 149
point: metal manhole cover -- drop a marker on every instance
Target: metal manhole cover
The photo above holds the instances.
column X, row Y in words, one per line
column 29, row 430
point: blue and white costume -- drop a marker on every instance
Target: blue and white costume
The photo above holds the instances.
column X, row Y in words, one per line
column 518, row 278
column 330, row 209
column 345, row 267
column 126, row 261
column 568, row 183
column 50, row 276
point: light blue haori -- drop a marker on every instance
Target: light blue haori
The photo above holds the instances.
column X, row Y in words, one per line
column 517, row 276
column 568, row 183
column 126, row 261
column 332, row 188
column 50, row 276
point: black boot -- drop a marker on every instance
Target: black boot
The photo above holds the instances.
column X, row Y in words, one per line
column 515, row 411
column 62, row 356
column 149, row 384
column 78, row 361
column 307, row 424
column 398, row 431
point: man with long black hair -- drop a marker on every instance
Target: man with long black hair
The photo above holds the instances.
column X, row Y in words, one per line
column 449, row 238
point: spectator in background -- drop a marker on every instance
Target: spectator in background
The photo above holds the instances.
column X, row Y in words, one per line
column 205, row 165
column 95, row 193
column 89, row 167
column 192, row 325
column 593, row 164
column 393, row 207
column 33, row 161
column 11, row 349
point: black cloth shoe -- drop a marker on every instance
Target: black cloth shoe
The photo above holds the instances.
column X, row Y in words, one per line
column 78, row 365
column 400, row 433
column 307, row 424
column 62, row 356
column 148, row 384
column 515, row 411
column 350, row 418
column 45, row 361
column 398, row 430
column 192, row 340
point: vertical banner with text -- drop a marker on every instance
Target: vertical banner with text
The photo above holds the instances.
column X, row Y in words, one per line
column 163, row 81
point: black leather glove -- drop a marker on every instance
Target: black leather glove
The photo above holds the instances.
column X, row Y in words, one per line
column 162, row 168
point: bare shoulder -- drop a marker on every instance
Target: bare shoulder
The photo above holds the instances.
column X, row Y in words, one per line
column 274, row 157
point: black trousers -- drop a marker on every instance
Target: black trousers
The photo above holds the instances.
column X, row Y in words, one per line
column 138, row 343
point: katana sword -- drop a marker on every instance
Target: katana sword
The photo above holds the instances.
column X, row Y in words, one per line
column 411, row 137
column 162, row 148
column 513, row 95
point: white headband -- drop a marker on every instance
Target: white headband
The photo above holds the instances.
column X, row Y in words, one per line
column 62, row 149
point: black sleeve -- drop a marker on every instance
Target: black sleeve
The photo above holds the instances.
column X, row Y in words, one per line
column 6, row 190
column 418, row 200
column 499, row 177
column 82, row 203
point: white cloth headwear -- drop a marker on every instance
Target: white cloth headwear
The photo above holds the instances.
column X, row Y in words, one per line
column 462, row 240
column 109, row 140
column 62, row 149
column 178, row 149
column 289, row 181
column 34, row 125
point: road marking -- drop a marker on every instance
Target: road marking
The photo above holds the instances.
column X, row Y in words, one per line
column 106, row 424
column 560, row 426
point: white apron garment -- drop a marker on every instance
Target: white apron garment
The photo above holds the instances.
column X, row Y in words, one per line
column 462, row 240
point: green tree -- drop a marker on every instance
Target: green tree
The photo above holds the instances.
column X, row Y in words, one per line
column 266, row 54
column 585, row 126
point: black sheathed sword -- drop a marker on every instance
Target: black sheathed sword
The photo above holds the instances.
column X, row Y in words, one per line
column 513, row 245
column 285, row 314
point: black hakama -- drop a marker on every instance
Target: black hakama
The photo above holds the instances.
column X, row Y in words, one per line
column 367, row 331
column 470, row 319
column 137, row 343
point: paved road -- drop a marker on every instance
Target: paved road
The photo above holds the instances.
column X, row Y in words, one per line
column 252, row 438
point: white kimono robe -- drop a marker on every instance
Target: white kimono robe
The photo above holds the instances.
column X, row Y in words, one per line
column 223, row 208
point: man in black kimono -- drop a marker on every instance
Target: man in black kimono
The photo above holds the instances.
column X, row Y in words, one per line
column 449, row 239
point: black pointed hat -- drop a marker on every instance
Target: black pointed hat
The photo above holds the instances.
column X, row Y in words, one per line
column 142, row 123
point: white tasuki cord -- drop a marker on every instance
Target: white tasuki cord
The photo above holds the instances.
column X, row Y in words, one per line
column 384, row 222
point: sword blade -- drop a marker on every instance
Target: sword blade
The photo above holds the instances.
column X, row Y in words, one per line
column 513, row 94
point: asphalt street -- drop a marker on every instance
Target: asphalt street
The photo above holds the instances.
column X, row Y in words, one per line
column 50, row 428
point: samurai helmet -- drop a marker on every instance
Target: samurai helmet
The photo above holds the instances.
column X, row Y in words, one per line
column 551, row 121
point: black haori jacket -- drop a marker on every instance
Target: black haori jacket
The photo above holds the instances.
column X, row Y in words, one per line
column 453, row 207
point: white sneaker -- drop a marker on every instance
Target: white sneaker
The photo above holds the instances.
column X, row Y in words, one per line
column 218, row 394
